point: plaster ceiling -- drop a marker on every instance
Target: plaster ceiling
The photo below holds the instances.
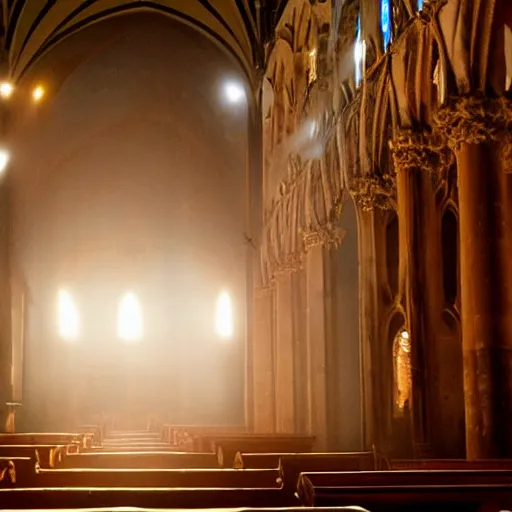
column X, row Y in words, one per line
column 32, row 27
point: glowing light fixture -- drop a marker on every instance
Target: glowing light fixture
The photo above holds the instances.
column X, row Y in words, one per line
column 129, row 319
column 4, row 160
column 38, row 93
column 6, row 90
column 224, row 316
column 69, row 323
column 405, row 335
column 234, row 92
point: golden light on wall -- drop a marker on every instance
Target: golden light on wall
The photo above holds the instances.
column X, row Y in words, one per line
column 4, row 160
column 224, row 316
column 129, row 319
column 38, row 93
column 6, row 89
column 68, row 317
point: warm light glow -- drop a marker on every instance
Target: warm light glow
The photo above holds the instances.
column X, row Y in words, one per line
column 129, row 319
column 68, row 317
column 224, row 316
column 4, row 160
column 6, row 89
column 405, row 335
column 235, row 92
column 38, row 93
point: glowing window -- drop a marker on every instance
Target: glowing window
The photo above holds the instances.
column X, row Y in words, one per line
column 359, row 54
column 385, row 21
column 69, row 324
column 402, row 371
column 129, row 319
column 420, row 5
column 224, row 316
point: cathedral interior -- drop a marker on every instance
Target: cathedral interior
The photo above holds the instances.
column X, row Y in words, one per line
column 264, row 236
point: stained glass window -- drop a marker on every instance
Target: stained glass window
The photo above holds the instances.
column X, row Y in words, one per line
column 385, row 21
column 420, row 5
column 359, row 50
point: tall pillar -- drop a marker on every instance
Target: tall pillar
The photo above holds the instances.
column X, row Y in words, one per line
column 263, row 361
column 473, row 127
column 407, row 168
column 284, row 353
column 316, row 346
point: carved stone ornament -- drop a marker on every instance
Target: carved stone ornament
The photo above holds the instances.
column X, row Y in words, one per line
column 329, row 236
column 377, row 191
column 292, row 263
column 474, row 120
column 421, row 151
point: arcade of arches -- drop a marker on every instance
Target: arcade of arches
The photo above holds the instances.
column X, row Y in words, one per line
column 357, row 205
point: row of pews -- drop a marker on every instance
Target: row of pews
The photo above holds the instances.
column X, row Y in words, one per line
column 192, row 467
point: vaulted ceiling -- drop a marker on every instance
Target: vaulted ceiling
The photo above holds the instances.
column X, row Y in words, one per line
column 32, row 27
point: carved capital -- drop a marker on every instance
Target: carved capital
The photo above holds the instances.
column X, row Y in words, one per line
column 329, row 236
column 421, row 151
column 292, row 263
column 473, row 120
column 374, row 191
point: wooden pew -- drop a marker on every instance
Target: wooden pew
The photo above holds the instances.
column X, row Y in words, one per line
column 140, row 460
column 462, row 494
column 179, row 435
column 14, row 470
column 47, row 455
column 184, row 478
column 329, row 461
column 72, row 498
column 451, row 464
column 245, row 509
column 292, row 465
column 41, row 438
column 227, row 446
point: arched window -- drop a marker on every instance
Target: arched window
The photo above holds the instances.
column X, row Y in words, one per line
column 129, row 319
column 392, row 254
column 385, row 22
column 69, row 323
column 450, row 252
column 402, row 372
column 420, row 5
column 359, row 54
column 224, row 316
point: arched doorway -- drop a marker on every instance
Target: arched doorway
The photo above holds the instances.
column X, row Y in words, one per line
column 131, row 177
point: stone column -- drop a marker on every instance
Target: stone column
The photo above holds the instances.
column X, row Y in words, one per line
column 418, row 157
column 284, row 367
column 263, row 361
column 316, row 348
column 474, row 127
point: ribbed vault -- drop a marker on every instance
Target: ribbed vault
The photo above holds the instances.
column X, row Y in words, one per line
column 32, row 27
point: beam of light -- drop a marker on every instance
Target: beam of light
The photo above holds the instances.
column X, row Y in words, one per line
column 359, row 54
column 69, row 322
column 38, row 93
column 234, row 92
column 224, row 316
column 4, row 160
column 6, row 90
column 129, row 319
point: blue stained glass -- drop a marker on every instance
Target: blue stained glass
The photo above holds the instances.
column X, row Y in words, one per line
column 420, row 5
column 358, row 53
column 385, row 21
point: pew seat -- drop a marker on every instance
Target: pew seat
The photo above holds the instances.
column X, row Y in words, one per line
column 178, row 435
column 48, row 456
column 23, row 438
column 451, row 464
column 423, row 497
column 228, row 446
column 14, row 470
column 139, row 460
column 175, row 498
column 184, row 478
